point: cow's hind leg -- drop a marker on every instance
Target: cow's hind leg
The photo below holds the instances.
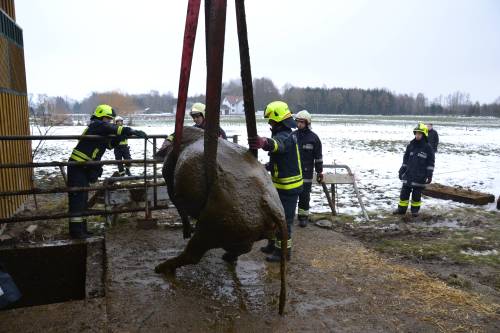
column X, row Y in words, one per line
column 234, row 251
column 195, row 249
column 187, row 230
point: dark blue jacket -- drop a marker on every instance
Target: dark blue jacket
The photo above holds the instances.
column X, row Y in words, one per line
column 222, row 134
column 418, row 163
column 284, row 161
column 310, row 150
column 433, row 139
column 92, row 150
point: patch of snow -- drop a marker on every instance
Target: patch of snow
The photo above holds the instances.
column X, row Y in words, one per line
column 372, row 146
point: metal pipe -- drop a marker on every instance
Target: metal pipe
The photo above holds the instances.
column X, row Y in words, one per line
column 77, row 189
column 155, row 193
column 85, row 213
column 70, row 137
column 146, row 202
column 118, row 179
column 58, row 164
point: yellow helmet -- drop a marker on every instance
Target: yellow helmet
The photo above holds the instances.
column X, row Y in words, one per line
column 198, row 108
column 104, row 110
column 422, row 129
column 279, row 112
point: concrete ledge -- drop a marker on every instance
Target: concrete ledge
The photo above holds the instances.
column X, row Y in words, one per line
column 57, row 271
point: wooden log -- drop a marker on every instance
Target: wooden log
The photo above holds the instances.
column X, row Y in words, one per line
column 458, row 194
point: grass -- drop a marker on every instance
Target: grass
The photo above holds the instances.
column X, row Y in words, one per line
column 447, row 248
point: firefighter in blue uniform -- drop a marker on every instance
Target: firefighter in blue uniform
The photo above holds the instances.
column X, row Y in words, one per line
column 122, row 152
column 416, row 171
column 285, row 167
column 91, row 150
column 311, row 157
column 198, row 115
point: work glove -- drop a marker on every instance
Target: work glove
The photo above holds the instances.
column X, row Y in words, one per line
column 140, row 134
column 319, row 177
column 258, row 142
column 402, row 171
column 428, row 180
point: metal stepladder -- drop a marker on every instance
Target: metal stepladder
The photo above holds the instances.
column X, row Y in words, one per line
column 333, row 179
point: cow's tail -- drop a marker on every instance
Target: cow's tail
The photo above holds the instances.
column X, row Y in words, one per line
column 270, row 207
column 284, row 252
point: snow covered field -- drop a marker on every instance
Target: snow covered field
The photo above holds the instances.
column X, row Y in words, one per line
column 372, row 146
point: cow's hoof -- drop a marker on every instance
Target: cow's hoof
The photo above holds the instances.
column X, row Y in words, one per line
column 165, row 269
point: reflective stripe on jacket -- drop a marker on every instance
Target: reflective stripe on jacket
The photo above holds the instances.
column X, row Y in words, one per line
column 92, row 150
column 285, row 165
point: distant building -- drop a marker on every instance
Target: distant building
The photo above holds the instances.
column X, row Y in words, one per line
column 232, row 105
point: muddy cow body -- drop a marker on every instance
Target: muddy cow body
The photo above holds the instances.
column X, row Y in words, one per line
column 240, row 207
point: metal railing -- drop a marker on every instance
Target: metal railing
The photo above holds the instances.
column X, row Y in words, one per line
column 107, row 185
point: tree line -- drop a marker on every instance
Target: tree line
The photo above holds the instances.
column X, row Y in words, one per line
column 314, row 99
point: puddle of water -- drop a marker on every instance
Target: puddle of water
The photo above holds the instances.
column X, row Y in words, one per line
column 451, row 224
column 243, row 285
column 471, row 252
column 170, row 252
column 249, row 272
column 322, row 304
column 391, row 226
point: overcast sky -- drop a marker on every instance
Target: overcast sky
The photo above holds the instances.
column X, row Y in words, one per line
column 432, row 46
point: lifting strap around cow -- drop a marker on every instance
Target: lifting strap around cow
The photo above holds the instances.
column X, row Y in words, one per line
column 215, row 22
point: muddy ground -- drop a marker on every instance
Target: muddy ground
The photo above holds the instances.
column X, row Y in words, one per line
column 392, row 275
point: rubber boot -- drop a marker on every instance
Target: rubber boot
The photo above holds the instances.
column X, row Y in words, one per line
column 269, row 248
column 127, row 171
column 414, row 211
column 400, row 211
column 303, row 220
column 85, row 228
column 276, row 255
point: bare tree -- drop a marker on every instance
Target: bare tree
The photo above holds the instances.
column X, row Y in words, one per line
column 264, row 92
column 458, row 102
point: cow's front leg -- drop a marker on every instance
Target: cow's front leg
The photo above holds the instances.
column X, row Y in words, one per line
column 195, row 249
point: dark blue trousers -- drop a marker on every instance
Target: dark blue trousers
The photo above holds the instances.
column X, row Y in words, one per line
column 78, row 176
column 289, row 202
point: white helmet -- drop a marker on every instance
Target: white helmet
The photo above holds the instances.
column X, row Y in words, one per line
column 304, row 115
column 118, row 118
column 198, row 108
